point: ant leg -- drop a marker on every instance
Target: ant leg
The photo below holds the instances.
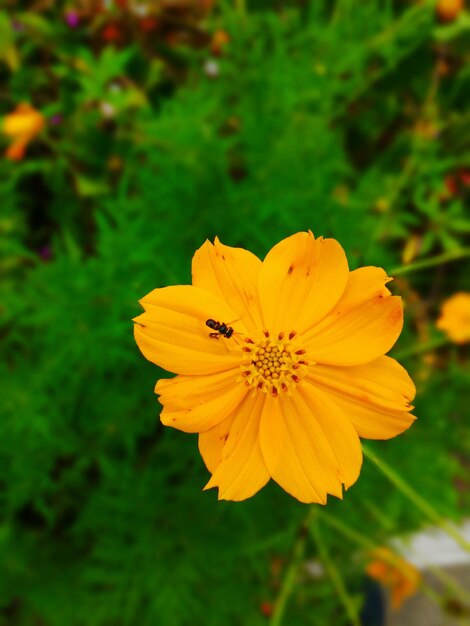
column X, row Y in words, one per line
column 214, row 335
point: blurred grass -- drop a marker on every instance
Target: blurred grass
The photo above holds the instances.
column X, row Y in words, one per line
column 341, row 117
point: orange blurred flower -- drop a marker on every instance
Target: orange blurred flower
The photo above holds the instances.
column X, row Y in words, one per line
column 207, row 5
column 449, row 10
column 293, row 372
column 219, row 40
column 22, row 125
column 394, row 572
column 464, row 176
column 148, row 23
column 455, row 317
column 112, row 33
column 266, row 608
column 426, row 129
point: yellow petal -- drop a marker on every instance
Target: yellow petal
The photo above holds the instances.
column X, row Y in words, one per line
column 301, row 280
column 364, row 284
column 338, row 431
column 182, row 392
column 383, row 382
column 296, row 453
column 211, row 443
column 375, row 396
column 364, row 324
column 309, row 446
column 173, row 334
column 210, row 400
column 242, row 471
column 231, row 274
column 374, row 422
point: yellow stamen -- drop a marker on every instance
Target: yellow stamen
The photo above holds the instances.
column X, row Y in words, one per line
column 275, row 365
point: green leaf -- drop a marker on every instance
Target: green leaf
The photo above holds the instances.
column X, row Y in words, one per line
column 89, row 187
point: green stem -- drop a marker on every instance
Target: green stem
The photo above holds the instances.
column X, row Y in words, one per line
column 420, row 503
column 419, row 348
column 240, row 6
column 446, row 257
column 452, row 585
column 292, row 571
column 379, row 515
column 334, row 574
column 370, row 546
column 349, row 532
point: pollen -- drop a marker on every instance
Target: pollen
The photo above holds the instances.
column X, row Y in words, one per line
column 274, row 366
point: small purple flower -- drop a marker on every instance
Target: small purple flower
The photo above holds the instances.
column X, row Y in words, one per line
column 45, row 252
column 56, row 119
column 72, row 18
column 17, row 26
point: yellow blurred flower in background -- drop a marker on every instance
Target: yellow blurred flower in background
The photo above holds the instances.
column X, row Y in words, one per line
column 449, row 10
column 394, row 572
column 296, row 372
column 22, row 125
column 455, row 317
column 220, row 39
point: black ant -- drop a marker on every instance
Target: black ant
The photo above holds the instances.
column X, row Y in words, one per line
column 220, row 328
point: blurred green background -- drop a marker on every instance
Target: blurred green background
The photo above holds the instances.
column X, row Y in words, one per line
column 158, row 125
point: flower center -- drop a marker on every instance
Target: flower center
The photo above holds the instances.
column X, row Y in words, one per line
column 275, row 365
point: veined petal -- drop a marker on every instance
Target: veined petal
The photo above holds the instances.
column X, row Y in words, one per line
column 211, row 443
column 242, row 471
column 173, row 334
column 301, row 280
column 359, row 336
column 310, row 448
column 373, row 422
column 363, row 284
column 231, row 274
column 338, row 431
column 296, row 453
column 375, row 396
column 209, row 409
column 382, row 382
column 182, row 392
column 364, row 324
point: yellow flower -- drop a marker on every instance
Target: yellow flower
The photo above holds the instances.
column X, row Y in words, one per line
column 22, row 125
column 402, row 578
column 455, row 317
column 449, row 10
column 302, row 377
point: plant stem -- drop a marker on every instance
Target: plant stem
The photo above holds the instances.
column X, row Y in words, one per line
column 416, row 499
column 240, row 6
column 452, row 585
column 334, row 574
column 446, row 257
column 370, row 546
column 349, row 532
column 419, row 348
column 292, row 571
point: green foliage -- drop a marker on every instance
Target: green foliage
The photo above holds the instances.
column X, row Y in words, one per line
column 314, row 119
